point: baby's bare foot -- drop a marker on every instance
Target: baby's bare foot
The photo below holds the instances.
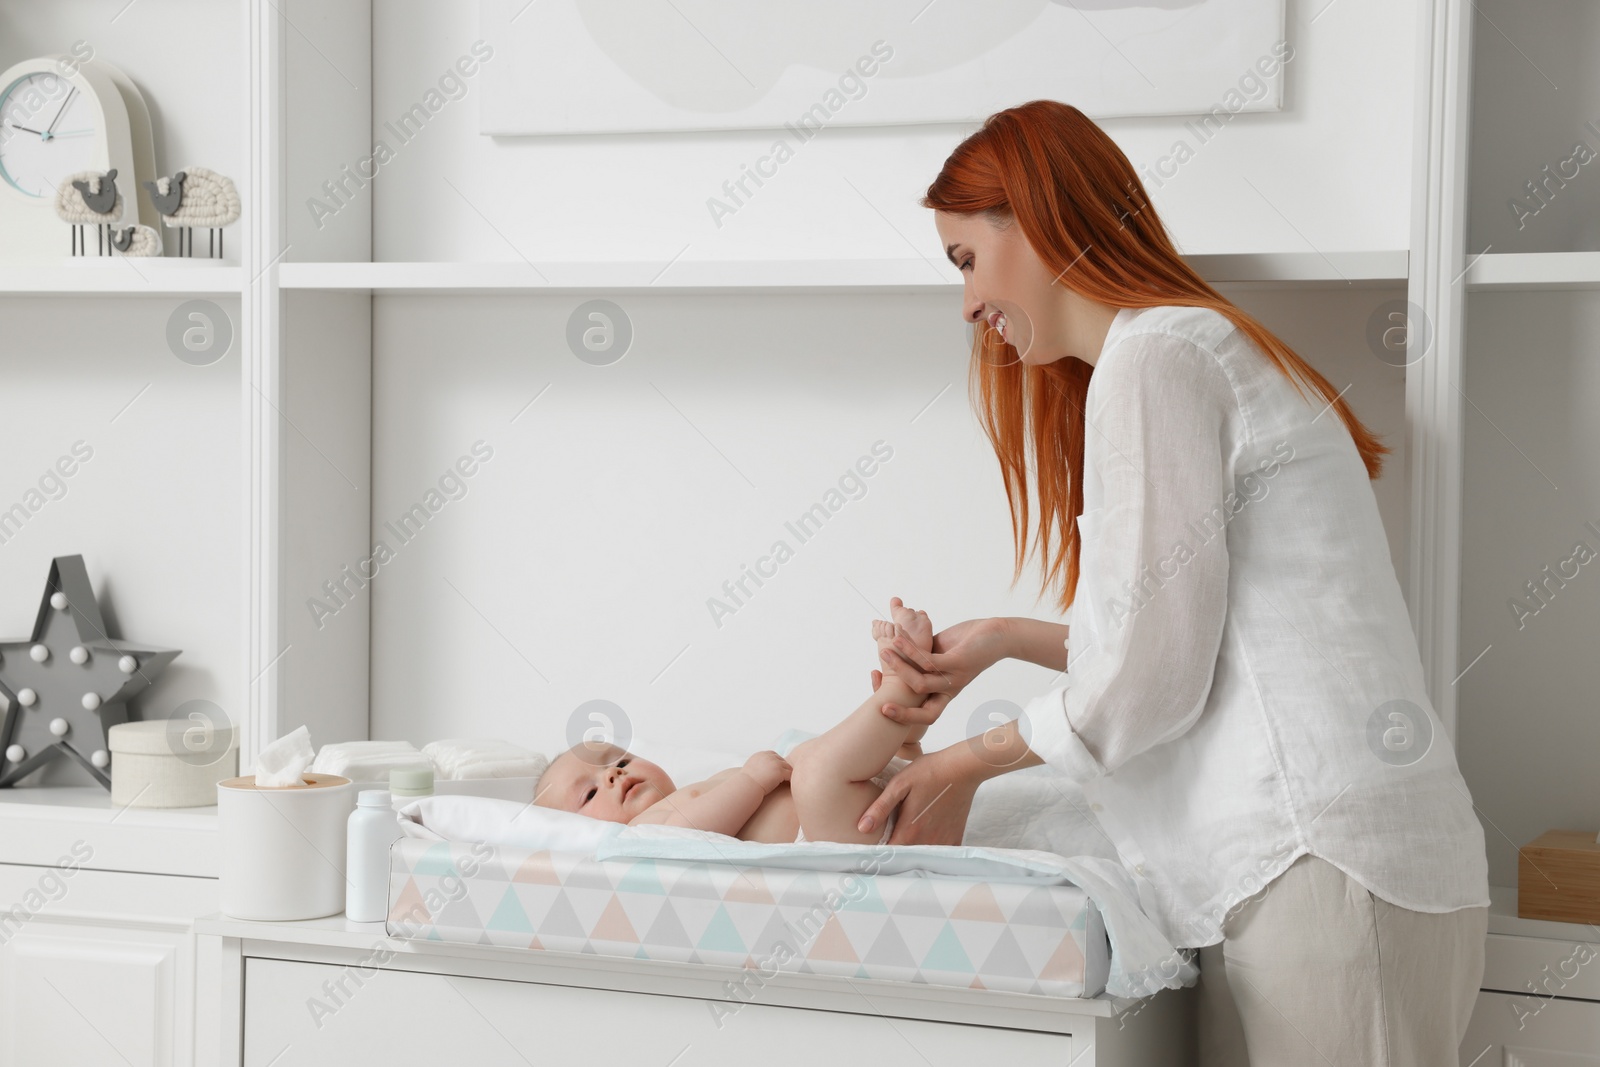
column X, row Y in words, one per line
column 915, row 625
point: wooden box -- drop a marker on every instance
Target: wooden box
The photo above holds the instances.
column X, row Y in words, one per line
column 1558, row 877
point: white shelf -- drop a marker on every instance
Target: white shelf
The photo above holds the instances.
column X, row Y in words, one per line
column 169, row 275
column 1276, row 269
column 120, row 274
column 41, row 824
column 1503, row 919
column 1311, row 270
column 1535, row 270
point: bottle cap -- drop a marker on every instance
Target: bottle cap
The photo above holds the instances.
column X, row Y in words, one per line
column 373, row 798
column 411, row 781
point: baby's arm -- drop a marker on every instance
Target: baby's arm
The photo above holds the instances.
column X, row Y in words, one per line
column 725, row 806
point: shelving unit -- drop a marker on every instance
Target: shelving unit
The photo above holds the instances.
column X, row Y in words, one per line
column 312, row 307
column 1308, row 270
column 1507, row 269
column 120, row 277
column 1294, row 269
column 1536, row 271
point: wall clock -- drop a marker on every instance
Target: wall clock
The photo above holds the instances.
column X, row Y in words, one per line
column 58, row 115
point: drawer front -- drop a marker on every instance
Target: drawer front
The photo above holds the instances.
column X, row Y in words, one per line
column 1542, row 967
column 1511, row 1031
column 303, row 1014
column 92, row 995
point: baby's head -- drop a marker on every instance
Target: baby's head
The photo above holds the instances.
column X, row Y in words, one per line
column 601, row 781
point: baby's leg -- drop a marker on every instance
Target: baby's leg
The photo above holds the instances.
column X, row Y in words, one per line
column 831, row 776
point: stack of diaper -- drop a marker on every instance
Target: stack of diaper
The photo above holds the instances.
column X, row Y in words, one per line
column 455, row 758
column 369, row 761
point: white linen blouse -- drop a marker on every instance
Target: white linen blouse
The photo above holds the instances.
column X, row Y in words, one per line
column 1243, row 683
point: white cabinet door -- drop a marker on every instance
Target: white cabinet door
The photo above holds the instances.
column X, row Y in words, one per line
column 307, row 1014
column 91, row 995
column 1529, row 1031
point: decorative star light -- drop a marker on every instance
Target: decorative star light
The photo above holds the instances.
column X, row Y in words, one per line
column 69, row 683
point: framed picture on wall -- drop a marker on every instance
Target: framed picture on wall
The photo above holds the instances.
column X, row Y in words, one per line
column 680, row 65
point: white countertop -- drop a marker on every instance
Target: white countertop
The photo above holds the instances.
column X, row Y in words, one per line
column 1503, row 920
column 38, row 824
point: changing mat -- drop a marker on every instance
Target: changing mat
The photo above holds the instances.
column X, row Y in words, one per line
column 1019, row 935
column 1142, row 960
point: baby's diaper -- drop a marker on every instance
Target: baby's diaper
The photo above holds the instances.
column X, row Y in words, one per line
column 883, row 840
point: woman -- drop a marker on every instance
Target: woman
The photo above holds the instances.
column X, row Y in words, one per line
column 1245, row 704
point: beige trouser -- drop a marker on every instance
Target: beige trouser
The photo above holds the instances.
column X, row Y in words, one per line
column 1315, row 970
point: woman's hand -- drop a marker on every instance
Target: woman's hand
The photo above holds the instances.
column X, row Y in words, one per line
column 934, row 794
column 959, row 655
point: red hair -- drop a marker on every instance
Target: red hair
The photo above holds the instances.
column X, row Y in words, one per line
column 1048, row 167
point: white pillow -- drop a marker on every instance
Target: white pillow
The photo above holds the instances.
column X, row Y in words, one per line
column 503, row 822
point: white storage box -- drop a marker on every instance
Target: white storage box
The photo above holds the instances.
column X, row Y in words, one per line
column 156, row 764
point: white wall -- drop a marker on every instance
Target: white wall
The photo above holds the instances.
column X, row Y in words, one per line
column 1330, row 172
column 154, row 511
column 578, row 563
column 1528, row 729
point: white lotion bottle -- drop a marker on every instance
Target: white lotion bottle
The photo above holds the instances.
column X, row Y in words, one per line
column 373, row 828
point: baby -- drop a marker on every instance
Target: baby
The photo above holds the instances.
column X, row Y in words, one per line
column 818, row 794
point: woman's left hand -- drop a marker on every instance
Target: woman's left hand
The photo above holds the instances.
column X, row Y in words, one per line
column 934, row 794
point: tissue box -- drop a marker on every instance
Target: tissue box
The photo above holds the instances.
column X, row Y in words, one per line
column 1570, row 859
column 160, row 763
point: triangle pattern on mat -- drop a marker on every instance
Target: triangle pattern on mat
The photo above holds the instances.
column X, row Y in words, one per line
column 536, row 870
column 947, row 953
column 978, row 903
column 436, row 861
column 613, row 924
column 720, row 934
column 833, row 943
column 408, row 906
column 562, row 921
column 749, row 887
column 890, row 950
column 1065, row 963
column 871, row 900
column 918, row 899
column 642, row 876
column 1038, row 908
column 668, row 930
column 696, row 882
column 588, row 876
column 459, row 915
column 804, row 891
column 1006, row 959
column 509, row 915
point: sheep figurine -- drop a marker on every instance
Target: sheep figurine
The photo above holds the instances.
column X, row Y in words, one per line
column 136, row 240
column 193, row 197
column 89, row 197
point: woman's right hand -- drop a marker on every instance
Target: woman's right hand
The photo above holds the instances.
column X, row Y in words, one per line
column 960, row 653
